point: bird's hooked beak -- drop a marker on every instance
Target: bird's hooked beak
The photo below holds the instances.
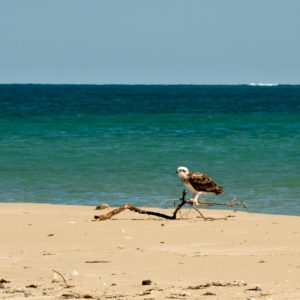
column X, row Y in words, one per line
column 177, row 172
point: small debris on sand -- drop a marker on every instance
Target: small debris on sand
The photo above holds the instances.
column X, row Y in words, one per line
column 209, row 294
column 55, row 278
column 68, row 296
column 33, row 286
column 4, row 281
column 74, row 273
column 178, row 295
column 77, row 296
column 102, row 206
column 146, row 282
column 97, row 261
column 217, row 283
column 87, row 296
column 255, row 289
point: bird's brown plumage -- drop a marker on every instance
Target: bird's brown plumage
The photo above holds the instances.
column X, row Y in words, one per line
column 203, row 183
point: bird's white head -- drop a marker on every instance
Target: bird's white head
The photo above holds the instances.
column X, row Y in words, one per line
column 182, row 172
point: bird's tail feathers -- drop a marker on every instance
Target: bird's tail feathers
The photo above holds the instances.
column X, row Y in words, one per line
column 218, row 190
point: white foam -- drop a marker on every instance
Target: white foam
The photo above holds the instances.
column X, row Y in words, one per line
column 263, row 84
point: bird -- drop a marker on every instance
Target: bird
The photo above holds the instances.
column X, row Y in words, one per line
column 198, row 183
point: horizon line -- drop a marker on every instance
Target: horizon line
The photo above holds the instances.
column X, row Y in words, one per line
column 254, row 84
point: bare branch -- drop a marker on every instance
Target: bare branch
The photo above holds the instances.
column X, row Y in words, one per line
column 183, row 202
column 142, row 211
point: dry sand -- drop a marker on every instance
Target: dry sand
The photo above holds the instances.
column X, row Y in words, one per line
column 248, row 256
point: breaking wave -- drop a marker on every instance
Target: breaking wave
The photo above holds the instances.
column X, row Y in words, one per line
column 263, row 84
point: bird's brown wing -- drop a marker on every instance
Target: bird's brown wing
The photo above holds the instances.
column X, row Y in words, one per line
column 203, row 183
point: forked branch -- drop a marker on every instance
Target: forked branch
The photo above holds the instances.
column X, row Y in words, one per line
column 142, row 211
column 182, row 200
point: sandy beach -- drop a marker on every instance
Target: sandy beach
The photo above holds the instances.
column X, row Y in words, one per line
column 247, row 256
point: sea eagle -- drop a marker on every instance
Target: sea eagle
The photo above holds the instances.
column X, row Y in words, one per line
column 198, row 183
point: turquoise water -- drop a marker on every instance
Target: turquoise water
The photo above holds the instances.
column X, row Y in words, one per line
column 81, row 144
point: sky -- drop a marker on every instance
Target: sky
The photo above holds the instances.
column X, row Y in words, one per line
column 150, row 42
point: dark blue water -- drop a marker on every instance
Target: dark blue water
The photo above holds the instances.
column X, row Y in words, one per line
column 86, row 144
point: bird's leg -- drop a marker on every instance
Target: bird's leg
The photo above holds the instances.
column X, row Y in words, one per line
column 198, row 211
column 195, row 200
column 195, row 203
column 188, row 212
column 202, row 200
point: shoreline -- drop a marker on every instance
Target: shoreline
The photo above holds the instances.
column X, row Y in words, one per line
column 168, row 209
column 249, row 255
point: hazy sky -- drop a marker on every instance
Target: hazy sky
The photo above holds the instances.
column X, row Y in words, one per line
column 138, row 41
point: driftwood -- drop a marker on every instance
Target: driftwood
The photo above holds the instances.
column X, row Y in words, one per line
column 182, row 200
column 231, row 203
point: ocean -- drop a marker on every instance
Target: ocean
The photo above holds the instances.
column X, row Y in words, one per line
column 89, row 144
